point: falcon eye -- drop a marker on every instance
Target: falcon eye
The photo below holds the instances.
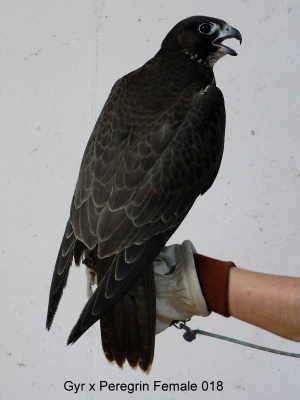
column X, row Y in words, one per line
column 205, row 28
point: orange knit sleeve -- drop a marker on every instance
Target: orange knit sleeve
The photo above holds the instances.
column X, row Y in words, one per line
column 213, row 276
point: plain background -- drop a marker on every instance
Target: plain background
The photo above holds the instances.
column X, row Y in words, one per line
column 59, row 60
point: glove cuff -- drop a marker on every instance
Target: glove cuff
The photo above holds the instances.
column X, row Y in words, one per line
column 196, row 293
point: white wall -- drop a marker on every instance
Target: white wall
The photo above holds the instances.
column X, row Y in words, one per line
column 59, row 60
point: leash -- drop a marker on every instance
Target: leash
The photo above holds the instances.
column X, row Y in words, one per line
column 190, row 335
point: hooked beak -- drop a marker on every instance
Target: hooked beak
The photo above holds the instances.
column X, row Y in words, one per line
column 228, row 33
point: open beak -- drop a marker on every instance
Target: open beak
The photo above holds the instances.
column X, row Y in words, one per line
column 228, row 33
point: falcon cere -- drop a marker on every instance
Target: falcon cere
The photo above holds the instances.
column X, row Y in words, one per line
column 130, row 388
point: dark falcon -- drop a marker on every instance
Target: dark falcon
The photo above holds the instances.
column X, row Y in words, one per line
column 155, row 148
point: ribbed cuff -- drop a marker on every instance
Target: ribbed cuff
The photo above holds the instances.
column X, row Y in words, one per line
column 213, row 276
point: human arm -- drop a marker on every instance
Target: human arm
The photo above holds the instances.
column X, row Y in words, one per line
column 270, row 302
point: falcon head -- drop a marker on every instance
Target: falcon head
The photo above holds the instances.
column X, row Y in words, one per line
column 201, row 38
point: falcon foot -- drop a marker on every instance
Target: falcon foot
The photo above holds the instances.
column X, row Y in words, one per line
column 170, row 261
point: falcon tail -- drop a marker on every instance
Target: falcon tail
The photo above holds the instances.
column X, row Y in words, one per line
column 128, row 328
column 124, row 300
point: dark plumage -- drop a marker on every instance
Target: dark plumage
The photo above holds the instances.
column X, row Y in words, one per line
column 156, row 147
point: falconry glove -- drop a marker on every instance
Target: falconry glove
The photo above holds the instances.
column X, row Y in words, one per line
column 178, row 293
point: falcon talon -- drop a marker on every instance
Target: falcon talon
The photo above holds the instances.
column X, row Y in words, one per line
column 172, row 269
column 170, row 262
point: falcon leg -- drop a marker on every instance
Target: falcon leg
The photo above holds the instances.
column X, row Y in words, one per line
column 91, row 276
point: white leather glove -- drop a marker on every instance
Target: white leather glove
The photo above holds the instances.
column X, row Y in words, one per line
column 178, row 294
